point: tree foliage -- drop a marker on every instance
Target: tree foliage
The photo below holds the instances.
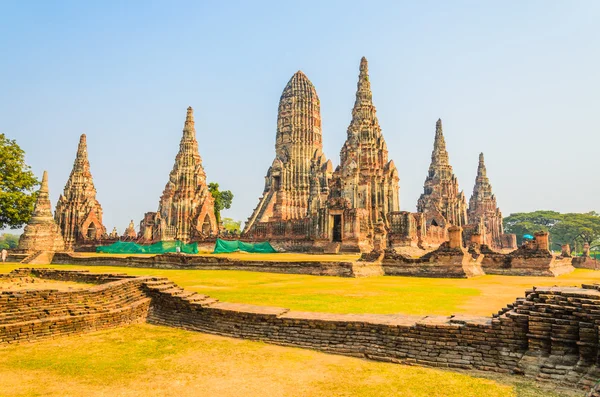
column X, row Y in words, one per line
column 17, row 185
column 572, row 228
column 232, row 226
column 8, row 241
column 223, row 199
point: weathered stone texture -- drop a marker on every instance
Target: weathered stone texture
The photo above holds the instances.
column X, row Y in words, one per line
column 78, row 213
column 532, row 259
column 130, row 231
column 483, row 214
column 42, row 233
column 39, row 314
column 346, row 210
column 186, row 207
column 441, row 202
column 297, row 178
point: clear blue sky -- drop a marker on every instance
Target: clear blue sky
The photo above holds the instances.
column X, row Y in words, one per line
column 518, row 80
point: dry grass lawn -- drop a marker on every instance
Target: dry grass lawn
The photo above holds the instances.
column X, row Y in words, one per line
column 146, row 360
column 410, row 295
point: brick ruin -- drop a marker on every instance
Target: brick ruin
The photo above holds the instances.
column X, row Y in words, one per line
column 441, row 203
column 484, row 215
column 307, row 207
column 297, row 180
column 186, row 207
column 78, row 213
column 551, row 335
column 42, row 233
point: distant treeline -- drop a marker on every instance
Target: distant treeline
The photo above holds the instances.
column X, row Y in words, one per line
column 573, row 228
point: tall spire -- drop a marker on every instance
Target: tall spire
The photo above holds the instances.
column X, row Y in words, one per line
column 42, row 212
column 78, row 213
column 482, row 189
column 186, row 205
column 481, row 171
column 441, row 201
column 364, row 113
column 439, row 155
column 189, row 128
column 81, row 164
column 483, row 206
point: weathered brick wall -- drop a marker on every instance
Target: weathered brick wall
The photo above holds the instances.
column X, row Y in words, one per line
column 179, row 261
column 457, row 342
column 552, row 334
column 36, row 314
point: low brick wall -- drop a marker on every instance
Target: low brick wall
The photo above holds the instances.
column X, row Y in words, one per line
column 180, row 261
column 552, row 334
column 37, row 314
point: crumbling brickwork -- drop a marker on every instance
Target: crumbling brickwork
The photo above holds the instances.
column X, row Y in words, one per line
column 38, row 314
column 186, row 207
column 78, row 213
column 41, row 233
column 551, row 334
column 442, row 203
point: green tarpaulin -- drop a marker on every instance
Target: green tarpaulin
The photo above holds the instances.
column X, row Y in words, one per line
column 224, row 246
column 162, row 247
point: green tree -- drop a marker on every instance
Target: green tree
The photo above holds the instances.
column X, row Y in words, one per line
column 232, row 226
column 17, row 185
column 572, row 228
column 223, row 199
column 9, row 241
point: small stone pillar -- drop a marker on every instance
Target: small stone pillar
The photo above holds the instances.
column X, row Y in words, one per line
column 455, row 237
column 477, row 238
column 565, row 251
column 541, row 240
column 586, row 250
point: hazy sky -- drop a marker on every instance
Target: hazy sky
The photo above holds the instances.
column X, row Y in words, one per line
column 518, row 80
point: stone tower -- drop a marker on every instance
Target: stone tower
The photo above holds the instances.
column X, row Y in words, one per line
column 42, row 233
column 442, row 203
column 78, row 213
column 483, row 206
column 186, row 208
column 365, row 177
column 297, row 173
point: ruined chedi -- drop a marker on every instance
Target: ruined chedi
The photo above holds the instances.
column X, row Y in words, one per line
column 186, row 207
column 42, row 233
column 483, row 209
column 78, row 213
column 442, row 203
column 130, row 231
column 365, row 177
column 299, row 160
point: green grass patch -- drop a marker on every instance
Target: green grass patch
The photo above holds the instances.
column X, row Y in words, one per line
column 159, row 361
column 410, row 295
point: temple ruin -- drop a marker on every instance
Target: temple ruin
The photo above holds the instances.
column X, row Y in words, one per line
column 307, row 207
column 485, row 218
column 42, row 233
column 78, row 213
column 442, row 203
column 186, row 207
column 304, row 202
